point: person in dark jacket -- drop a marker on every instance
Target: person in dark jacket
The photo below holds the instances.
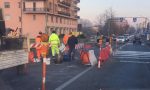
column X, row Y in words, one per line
column 72, row 41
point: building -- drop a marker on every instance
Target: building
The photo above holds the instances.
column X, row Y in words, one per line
column 32, row 16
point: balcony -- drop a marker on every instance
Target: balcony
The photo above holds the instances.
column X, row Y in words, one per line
column 78, row 17
column 34, row 10
column 77, row 8
column 63, row 13
column 64, row 4
column 77, row 1
column 34, row 0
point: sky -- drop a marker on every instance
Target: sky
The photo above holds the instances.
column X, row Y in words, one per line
column 90, row 9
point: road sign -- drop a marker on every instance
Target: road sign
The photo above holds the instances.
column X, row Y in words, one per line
column 134, row 19
column 121, row 19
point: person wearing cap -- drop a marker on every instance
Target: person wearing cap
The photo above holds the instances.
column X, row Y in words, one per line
column 38, row 38
column 72, row 41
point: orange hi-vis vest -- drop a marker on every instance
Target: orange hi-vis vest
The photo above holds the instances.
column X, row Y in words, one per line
column 65, row 39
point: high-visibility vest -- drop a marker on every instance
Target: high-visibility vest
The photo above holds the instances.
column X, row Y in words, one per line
column 54, row 39
column 65, row 39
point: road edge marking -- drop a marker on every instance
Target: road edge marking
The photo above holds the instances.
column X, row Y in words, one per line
column 73, row 79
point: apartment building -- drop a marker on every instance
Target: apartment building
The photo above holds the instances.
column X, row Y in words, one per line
column 31, row 16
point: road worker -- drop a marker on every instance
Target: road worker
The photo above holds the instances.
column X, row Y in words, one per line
column 55, row 43
column 38, row 48
column 72, row 41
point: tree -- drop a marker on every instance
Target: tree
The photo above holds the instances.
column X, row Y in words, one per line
column 111, row 24
column 85, row 23
column 105, row 21
column 86, row 26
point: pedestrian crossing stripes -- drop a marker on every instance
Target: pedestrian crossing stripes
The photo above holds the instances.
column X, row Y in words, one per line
column 132, row 55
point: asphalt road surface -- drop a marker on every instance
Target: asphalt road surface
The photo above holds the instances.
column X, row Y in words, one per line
column 127, row 69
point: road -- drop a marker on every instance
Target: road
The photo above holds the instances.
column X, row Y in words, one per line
column 128, row 69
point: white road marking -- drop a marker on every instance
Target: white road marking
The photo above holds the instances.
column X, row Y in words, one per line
column 73, row 79
column 136, row 62
column 132, row 55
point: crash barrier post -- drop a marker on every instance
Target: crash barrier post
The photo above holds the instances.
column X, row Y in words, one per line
column 99, row 59
column 44, row 52
column 43, row 71
column 100, row 48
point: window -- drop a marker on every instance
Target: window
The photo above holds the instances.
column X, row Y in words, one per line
column 34, row 17
column 34, row 6
column 56, row 19
column 1, row 15
column 19, row 4
column 56, row 7
column 50, row 6
column 19, row 19
column 60, row 20
column 6, row 4
column 52, row 18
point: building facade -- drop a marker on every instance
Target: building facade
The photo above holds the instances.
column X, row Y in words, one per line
column 32, row 16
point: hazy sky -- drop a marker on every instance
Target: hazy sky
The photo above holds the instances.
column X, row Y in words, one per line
column 90, row 9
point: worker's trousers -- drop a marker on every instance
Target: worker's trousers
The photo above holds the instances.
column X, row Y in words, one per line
column 55, row 50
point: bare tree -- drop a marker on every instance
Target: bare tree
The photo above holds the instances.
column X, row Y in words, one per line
column 86, row 26
column 109, row 24
column 85, row 22
column 104, row 20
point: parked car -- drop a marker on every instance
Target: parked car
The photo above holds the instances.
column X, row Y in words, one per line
column 120, row 39
column 127, row 38
column 137, row 40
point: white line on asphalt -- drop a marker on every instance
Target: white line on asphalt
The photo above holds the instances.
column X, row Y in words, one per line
column 136, row 58
column 123, row 46
column 136, row 62
column 119, row 49
column 73, row 79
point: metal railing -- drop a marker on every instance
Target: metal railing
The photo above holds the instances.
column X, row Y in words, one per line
column 63, row 3
column 63, row 13
column 35, row 10
column 8, row 43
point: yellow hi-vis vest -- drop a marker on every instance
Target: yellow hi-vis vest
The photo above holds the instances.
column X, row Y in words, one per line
column 54, row 39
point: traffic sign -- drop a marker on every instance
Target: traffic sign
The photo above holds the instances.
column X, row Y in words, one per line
column 134, row 19
column 121, row 19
